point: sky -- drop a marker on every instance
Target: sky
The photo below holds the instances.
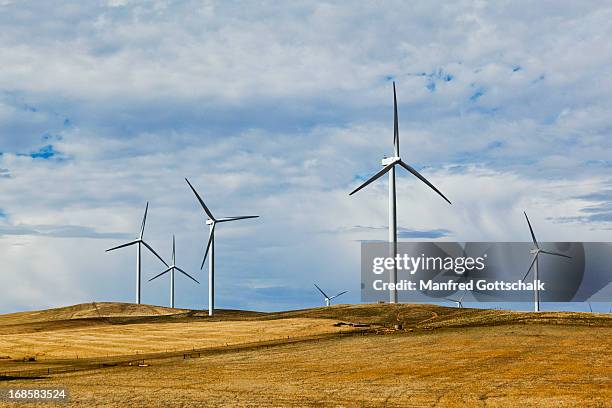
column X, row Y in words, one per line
column 280, row 110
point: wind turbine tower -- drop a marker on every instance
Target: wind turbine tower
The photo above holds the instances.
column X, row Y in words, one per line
column 536, row 251
column 389, row 164
column 458, row 301
column 210, row 247
column 138, row 242
column 328, row 299
column 171, row 269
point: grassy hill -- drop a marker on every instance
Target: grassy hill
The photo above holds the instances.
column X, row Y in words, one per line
column 425, row 316
column 399, row 355
column 407, row 315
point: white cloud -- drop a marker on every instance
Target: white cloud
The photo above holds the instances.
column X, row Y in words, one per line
column 275, row 111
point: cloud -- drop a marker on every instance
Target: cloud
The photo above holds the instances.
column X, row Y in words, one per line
column 404, row 232
column 429, row 234
column 57, row 231
column 597, row 208
column 273, row 111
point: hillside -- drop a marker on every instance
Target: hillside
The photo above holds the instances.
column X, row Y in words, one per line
column 425, row 316
column 408, row 315
column 96, row 330
column 398, row 355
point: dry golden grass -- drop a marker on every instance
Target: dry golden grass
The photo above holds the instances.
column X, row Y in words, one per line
column 83, row 332
column 448, row 357
column 87, row 310
column 111, row 340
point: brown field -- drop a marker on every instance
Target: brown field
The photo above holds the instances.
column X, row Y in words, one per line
column 439, row 357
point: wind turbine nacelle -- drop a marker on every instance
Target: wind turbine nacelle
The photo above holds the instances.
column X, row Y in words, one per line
column 389, row 160
column 534, row 251
column 209, row 222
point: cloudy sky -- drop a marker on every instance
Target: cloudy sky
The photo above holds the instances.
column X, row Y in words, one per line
column 281, row 111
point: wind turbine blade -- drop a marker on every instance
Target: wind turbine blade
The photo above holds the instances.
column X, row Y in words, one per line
column 323, row 293
column 173, row 250
column 210, row 238
column 123, row 245
column 154, row 253
column 242, row 217
column 423, row 179
column 335, row 296
column 535, row 241
column 201, row 201
column 395, row 124
column 462, row 296
column 535, row 257
column 374, row 177
column 160, row 274
column 555, row 253
column 450, row 300
column 187, row 275
column 144, row 220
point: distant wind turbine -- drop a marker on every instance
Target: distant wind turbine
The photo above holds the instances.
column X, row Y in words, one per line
column 139, row 242
column 171, row 269
column 458, row 301
column 328, row 299
column 212, row 222
column 536, row 251
column 389, row 164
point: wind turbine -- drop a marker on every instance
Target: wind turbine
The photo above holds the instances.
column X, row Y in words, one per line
column 458, row 302
column 139, row 242
column 212, row 222
column 328, row 298
column 171, row 269
column 389, row 164
column 536, row 251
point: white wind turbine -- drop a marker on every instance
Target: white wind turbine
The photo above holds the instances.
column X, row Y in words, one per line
column 389, row 164
column 536, row 251
column 212, row 222
column 139, row 242
column 328, row 299
column 171, row 269
column 458, row 301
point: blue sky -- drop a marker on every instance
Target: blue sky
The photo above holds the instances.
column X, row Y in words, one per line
column 280, row 111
